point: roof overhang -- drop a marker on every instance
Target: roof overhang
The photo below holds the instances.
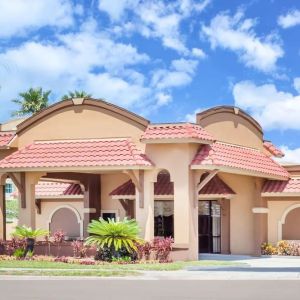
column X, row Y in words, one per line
column 238, row 171
column 176, row 141
column 61, row 197
column 76, row 169
column 215, row 196
column 285, row 194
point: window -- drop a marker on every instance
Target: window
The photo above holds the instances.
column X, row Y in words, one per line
column 109, row 214
column 8, row 188
column 164, row 218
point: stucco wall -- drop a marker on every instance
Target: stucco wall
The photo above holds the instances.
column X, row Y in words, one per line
column 80, row 122
column 49, row 206
column 108, row 183
column 277, row 208
column 231, row 128
column 241, row 215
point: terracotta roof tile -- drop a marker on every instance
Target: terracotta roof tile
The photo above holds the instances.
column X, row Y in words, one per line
column 176, row 131
column 50, row 189
column 6, row 137
column 273, row 149
column 216, row 186
column 238, row 157
column 81, row 153
column 164, row 186
column 278, row 186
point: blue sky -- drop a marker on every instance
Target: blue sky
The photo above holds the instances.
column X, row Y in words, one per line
column 164, row 60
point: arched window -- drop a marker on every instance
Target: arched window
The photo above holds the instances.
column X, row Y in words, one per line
column 164, row 205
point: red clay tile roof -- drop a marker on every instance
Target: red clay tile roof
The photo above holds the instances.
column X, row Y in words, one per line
column 164, row 186
column 216, row 186
column 49, row 189
column 278, row 186
column 273, row 149
column 176, row 131
column 240, row 158
column 6, row 137
column 79, row 153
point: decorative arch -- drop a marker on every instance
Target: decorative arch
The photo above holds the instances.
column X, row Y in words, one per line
column 74, row 210
column 111, row 108
column 281, row 222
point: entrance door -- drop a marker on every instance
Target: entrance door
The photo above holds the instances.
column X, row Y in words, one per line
column 209, row 227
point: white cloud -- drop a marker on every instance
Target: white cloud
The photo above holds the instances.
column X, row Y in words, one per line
column 297, row 84
column 197, row 52
column 17, row 17
column 163, row 99
column 236, row 33
column 292, row 156
column 116, row 9
column 180, row 73
column 154, row 18
column 192, row 116
column 274, row 109
column 102, row 68
column 291, row 19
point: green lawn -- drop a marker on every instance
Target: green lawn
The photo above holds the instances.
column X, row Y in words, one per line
column 180, row 265
column 55, row 272
column 12, row 209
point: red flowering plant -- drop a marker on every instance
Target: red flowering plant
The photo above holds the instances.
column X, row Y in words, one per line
column 162, row 247
column 58, row 238
column 79, row 249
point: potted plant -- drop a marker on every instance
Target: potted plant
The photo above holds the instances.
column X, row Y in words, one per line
column 114, row 236
column 29, row 235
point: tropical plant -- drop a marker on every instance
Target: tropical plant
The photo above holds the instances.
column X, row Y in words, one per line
column 25, row 232
column 31, row 101
column 58, row 238
column 76, row 94
column 19, row 253
column 79, row 249
column 114, row 234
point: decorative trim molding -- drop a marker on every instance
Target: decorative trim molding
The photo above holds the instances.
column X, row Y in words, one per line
column 89, row 210
column 260, row 210
column 283, row 218
column 75, row 211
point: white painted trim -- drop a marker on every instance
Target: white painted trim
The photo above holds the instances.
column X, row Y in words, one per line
column 214, row 196
column 260, row 210
column 88, row 210
column 123, row 197
column 237, row 171
column 77, row 101
column 110, row 211
column 283, row 218
column 75, row 211
column 59, row 197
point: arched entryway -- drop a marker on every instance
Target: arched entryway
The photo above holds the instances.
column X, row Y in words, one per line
column 66, row 218
column 291, row 226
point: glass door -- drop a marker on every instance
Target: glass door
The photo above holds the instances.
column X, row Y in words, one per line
column 209, row 227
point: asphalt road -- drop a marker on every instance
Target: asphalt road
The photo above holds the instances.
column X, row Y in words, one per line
column 108, row 289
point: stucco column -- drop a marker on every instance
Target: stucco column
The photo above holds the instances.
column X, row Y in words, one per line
column 28, row 213
column 145, row 215
column 260, row 218
column 2, row 213
column 185, row 212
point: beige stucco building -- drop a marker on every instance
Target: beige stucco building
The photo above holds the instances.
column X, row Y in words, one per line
column 212, row 185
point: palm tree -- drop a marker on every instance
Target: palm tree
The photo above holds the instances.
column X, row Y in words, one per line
column 31, row 101
column 76, row 94
column 114, row 234
column 30, row 235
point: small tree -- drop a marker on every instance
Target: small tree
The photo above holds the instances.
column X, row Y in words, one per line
column 114, row 234
column 31, row 101
column 76, row 94
column 30, row 235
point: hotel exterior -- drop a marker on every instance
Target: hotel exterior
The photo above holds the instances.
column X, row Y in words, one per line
column 213, row 185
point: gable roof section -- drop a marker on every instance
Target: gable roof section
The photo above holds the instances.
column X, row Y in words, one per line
column 5, row 138
column 216, row 186
column 48, row 189
column 164, row 187
column 168, row 133
column 269, row 146
column 281, row 188
column 77, row 154
column 106, row 106
column 238, row 159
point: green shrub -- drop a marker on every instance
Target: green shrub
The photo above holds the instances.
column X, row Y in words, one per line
column 114, row 235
